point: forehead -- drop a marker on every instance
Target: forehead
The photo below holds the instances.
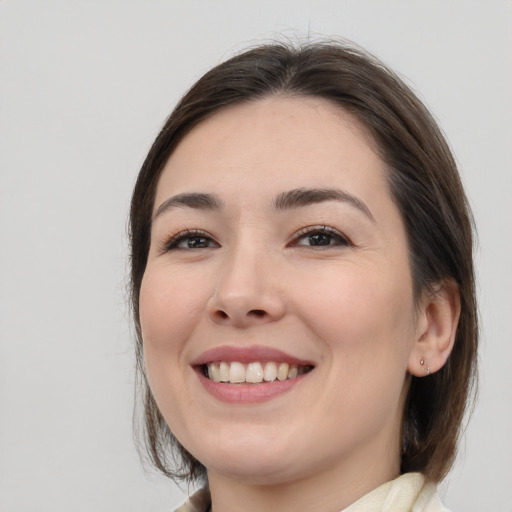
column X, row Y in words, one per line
column 278, row 141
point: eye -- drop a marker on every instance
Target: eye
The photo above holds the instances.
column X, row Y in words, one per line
column 320, row 236
column 191, row 239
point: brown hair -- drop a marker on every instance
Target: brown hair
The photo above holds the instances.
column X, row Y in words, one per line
column 424, row 183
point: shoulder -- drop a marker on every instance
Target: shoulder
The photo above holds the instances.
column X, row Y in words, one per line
column 429, row 500
column 198, row 502
column 408, row 493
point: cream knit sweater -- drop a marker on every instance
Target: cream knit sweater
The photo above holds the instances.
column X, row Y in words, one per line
column 408, row 493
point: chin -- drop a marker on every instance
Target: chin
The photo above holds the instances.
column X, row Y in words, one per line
column 245, row 460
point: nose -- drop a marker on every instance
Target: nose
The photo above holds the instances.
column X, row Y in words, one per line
column 247, row 291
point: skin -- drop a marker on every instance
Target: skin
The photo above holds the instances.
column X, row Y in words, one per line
column 346, row 307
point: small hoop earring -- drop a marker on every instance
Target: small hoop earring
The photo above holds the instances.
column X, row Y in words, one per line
column 422, row 362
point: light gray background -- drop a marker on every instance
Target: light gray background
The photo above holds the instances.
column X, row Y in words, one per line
column 85, row 87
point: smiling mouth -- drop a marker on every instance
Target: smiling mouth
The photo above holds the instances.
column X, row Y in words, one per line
column 234, row 372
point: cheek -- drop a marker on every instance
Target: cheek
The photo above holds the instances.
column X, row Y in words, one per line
column 169, row 305
column 169, row 312
column 366, row 323
column 365, row 317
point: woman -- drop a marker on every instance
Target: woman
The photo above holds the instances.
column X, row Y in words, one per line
column 302, row 288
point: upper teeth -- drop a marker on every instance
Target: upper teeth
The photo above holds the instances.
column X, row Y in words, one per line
column 236, row 372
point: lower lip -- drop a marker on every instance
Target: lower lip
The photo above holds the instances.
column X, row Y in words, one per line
column 247, row 393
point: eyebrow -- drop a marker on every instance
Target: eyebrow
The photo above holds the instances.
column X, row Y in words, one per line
column 194, row 200
column 299, row 197
column 296, row 198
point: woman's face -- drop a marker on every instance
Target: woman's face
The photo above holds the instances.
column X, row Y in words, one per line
column 278, row 257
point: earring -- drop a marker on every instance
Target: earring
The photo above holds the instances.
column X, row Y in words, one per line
column 422, row 362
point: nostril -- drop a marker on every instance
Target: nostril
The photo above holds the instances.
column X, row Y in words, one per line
column 257, row 312
column 238, row 315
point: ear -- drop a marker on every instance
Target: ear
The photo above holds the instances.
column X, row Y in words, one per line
column 437, row 322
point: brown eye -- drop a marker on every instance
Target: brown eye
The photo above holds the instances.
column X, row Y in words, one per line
column 198, row 242
column 190, row 240
column 321, row 237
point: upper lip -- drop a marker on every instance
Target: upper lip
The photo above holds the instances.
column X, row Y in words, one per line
column 249, row 354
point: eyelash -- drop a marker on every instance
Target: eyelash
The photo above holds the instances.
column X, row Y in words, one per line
column 337, row 237
column 187, row 234
column 190, row 234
